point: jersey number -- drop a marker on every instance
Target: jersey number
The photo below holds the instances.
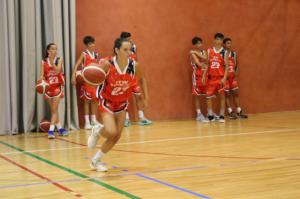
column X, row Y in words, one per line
column 215, row 65
column 119, row 90
column 53, row 80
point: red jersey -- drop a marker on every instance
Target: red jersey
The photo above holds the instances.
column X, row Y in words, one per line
column 231, row 63
column 216, row 62
column 119, row 85
column 50, row 74
column 89, row 57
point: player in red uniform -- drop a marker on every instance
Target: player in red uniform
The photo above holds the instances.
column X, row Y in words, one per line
column 198, row 58
column 231, row 86
column 121, row 81
column 87, row 92
column 133, row 55
column 217, row 75
column 51, row 71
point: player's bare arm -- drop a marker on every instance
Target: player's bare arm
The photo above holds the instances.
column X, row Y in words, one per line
column 236, row 69
column 143, row 83
column 226, row 67
column 201, row 55
column 59, row 66
column 196, row 60
column 78, row 62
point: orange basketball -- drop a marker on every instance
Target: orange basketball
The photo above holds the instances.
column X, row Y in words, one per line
column 44, row 125
column 79, row 78
column 93, row 74
column 41, row 86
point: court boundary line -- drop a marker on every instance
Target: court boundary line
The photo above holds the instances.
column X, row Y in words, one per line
column 141, row 175
column 66, row 189
column 128, row 173
column 103, row 184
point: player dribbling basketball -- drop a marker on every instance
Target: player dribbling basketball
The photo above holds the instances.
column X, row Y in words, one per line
column 121, row 81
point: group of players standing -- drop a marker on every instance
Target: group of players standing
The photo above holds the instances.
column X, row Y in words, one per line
column 215, row 73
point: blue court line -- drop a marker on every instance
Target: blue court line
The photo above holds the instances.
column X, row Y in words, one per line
column 172, row 186
column 103, row 177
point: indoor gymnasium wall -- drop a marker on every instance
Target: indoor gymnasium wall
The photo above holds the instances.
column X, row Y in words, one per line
column 265, row 34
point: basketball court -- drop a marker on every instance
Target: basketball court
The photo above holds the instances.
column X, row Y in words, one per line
column 154, row 99
column 254, row 158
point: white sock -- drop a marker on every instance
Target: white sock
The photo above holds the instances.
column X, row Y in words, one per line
column 127, row 116
column 98, row 156
column 222, row 111
column 238, row 109
column 210, row 112
column 87, row 119
column 52, row 127
column 198, row 111
column 141, row 114
column 58, row 126
column 229, row 110
column 93, row 118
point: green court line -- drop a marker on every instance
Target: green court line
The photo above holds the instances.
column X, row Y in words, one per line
column 72, row 171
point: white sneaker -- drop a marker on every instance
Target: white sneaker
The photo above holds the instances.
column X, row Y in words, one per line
column 94, row 137
column 87, row 126
column 221, row 119
column 217, row 117
column 205, row 120
column 98, row 166
column 94, row 123
column 201, row 118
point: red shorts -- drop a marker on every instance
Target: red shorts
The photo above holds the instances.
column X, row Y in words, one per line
column 54, row 91
column 198, row 87
column 112, row 107
column 198, row 90
column 87, row 92
column 214, row 86
column 231, row 84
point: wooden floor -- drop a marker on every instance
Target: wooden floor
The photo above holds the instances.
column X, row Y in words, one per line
column 254, row 158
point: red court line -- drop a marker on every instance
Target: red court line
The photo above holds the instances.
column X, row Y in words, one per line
column 186, row 155
column 70, row 141
column 41, row 176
